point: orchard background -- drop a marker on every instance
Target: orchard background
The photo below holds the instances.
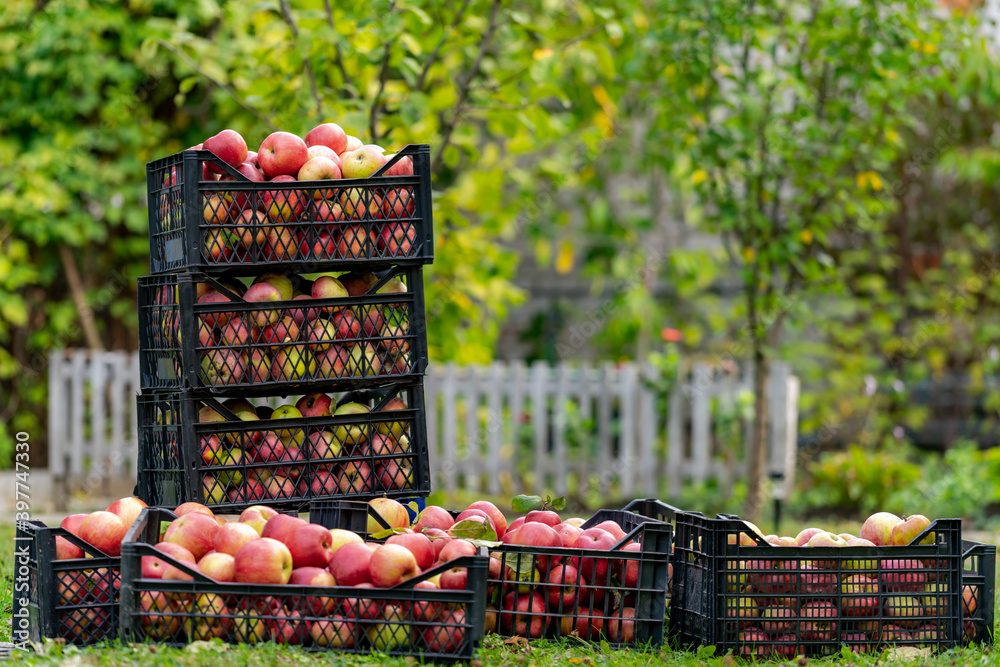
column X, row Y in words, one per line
column 831, row 170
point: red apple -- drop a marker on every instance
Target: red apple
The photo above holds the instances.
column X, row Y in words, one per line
column 219, row 566
column 496, row 516
column 613, row 528
column 127, row 509
column 548, row 517
column 541, row 535
column 263, row 561
column 568, row 533
column 232, row 536
column 229, row 147
column 567, row 589
column 529, row 619
column 313, row 577
column 66, row 549
column 105, row 531
column 392, row 564
column 337, row 632
column 456, row 549
column 448, row 636
column 621, row 626
column 349, row 564
column 316, row 404
column 310, row 546
column 330, row 135
column 433, row 516
column 419, row 545
column 288, row 628
column 805, row 535
column 195, row 532
column 73, row 522
column 281, row 527
column 595, row 570
column 282, row 153
column 878, row 528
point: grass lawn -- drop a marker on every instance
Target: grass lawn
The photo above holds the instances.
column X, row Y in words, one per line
column 496, row 651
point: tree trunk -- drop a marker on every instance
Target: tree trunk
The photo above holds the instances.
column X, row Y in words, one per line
column 758, row 442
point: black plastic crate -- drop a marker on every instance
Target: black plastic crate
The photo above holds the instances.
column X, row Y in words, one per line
column 439, row 625
column 979, row 563
column 218, row 226
column 734, row 591
column 627, row 612
column 231, row 464
column 292, row 346
column 75, row 599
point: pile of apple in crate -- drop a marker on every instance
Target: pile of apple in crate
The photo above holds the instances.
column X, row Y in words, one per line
column 282, row 352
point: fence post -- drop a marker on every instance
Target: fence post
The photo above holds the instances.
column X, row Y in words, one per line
column 58, row 434
column 701, row 418
column 647, row 431
column 539, row 418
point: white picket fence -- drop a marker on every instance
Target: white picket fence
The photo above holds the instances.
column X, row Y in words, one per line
column 502, row 428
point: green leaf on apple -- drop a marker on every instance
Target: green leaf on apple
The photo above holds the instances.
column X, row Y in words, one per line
column 473, row 530
column 489, row 544
column 387, row 533
column 163, row 527
column 524, row 503
column 523, row 566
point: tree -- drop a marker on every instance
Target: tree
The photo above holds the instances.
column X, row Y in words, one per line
column 780, row 119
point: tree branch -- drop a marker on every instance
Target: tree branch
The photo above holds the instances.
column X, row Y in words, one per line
column 286, row 12
column 80, row 299
column 437, row 49
column 229, row 91
column 348, row 84
column 464, row 86
column 383, row 75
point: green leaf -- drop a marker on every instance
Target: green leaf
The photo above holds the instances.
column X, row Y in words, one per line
column 705, row 652
column 163, row 526
column 387, row 533
column 489, row 544
column 471, row 529
column 558, row 504
column 524, row 503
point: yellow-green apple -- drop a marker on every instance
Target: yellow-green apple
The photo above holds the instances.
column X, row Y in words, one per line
column 403, row 167
column 433, row 516
column 447, row 637
column 491, row 510
column 419, row 545
column 229, row 147
column 66, row 550
column 210, row 617
column 330, row 135
column 878, row 528
column 523, row 615
column 249, row 627
column 258, row 367
column 281, row 527
column 905, row 610
column 310, row 546
column 232, row 536
column 349, row 564
column 392, row 512
column 263, row 561
column 104, row 531
column 320, row 169
column 935, row 599
column 127, row 509
column 547, row 517
column 353, row 144
column 215, row 319
column 158, row 615
column 902, row 575
column 313, row 577
column 280, row 282
column 392, row 633
column 195, row 532
column 320, row 333
column 351, row 434
column 293, row 363
column 215, row 211
column 339, row 537
column 907, row 530
column 574, row 521
column 392, row 564
column 287, row 627
column 364, row 361
column 805, row 535
column 335, row 632
column 744, row 608
column 195, row 508
column 363, row 162
column 219, row 566
column 282, row 153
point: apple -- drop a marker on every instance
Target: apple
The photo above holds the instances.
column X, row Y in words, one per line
column 805, row 535
column 354, row 242
column 433, row 516
column 256, row 517
column 419, row 545
column 193, row 508
column 878, row 528
column 393, row 633
column 448, row 636
column 104, row 531
column 85, row 625
column 902, row 575
column 66, row 550
column 283, row 331
column 566, row 589
column 263, row 561
column 355, row 478
column 330, row 135
column 631, row 574
column 543, row 535
column 313, row 577
column 907, row 530
column 229, row 147
column 935, row 599
column 404, row 167
column 230, row 537
column 775, row 619
column 236, row 333
column 363, row 162
column 324, row 151
column 335, row 632
column 859, row 595
column 195, row 532
column 750, row 640
column 258, row 367
column 328, row 287
column 621, row 626
column 323, row 445
column 73, row 522
column 496, row 516
column 822, row 621
column 594, row 570
column 438, row 538
column 260, row 293
column 310, row 546
column 288, row 628
column 529, row 619
column 588, row 624
column 157, row 616
column 282, row 153
column 281, row 527
column 353, row 144
column 568, row 534
column 395, row 475
column 616, row 531
column 456, row 548
column 392, row 564
column 340, row 537
column 316, row 404
column 293, row 363
column 346, row 325
column 219, row 566
column 127, row 509
column 745, row 609
column 547, row 517
column 320, row 169
column 392, row 512
column 349, row 564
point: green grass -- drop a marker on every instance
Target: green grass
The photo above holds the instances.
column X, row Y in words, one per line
column 496, row 651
